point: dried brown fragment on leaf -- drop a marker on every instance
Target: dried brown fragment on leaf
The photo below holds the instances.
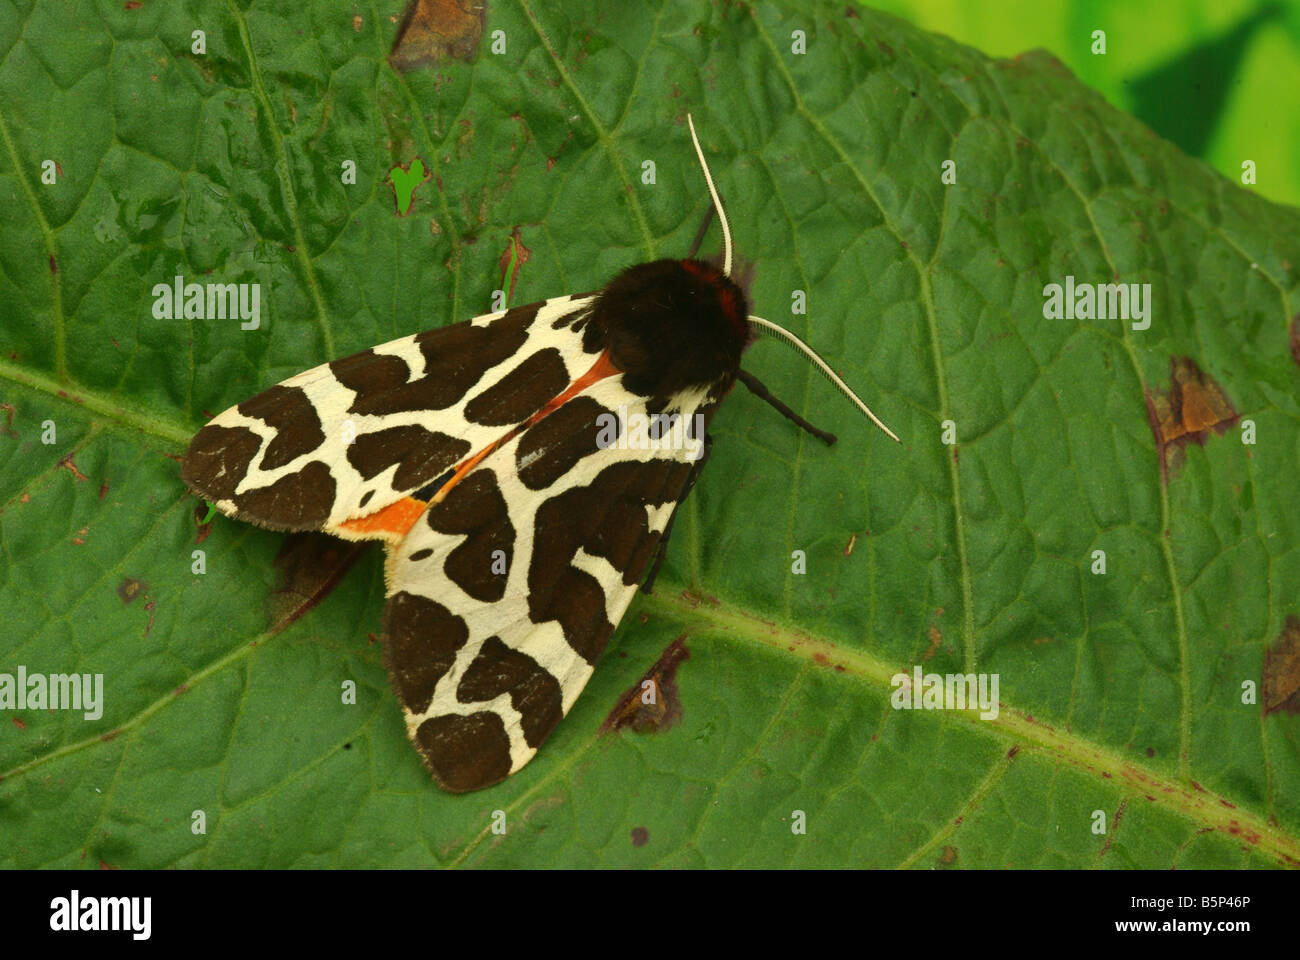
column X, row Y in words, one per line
column 67, row 464
column 1193, row 405
column 1280, row 686
column 652, row 704
column 434, row 30
column 514, row 256
column 936, row 640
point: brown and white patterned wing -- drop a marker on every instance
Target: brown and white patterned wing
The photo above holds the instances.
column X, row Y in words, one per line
column 503, row 596
column 348, row 438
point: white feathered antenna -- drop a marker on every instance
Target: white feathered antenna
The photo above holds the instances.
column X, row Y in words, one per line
column 762, row 326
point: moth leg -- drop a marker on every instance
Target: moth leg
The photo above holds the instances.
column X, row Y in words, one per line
column 757, row 389
column 668, row 528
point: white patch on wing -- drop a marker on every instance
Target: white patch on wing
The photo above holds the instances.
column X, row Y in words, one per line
column 657, row 517
column 406, row 350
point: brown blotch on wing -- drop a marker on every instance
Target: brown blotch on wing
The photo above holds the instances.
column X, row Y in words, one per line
column 465, row 752
column 552, row 447
column 476, row 509
column 606, row 519
column 297, row 501
column 421, row 640
column 533, row 691
column 455, row 358
column 296, row 423
column 218, row 460
column 422, row 454
column 521, row 392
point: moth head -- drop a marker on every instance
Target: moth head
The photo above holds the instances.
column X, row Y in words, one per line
column 674, row 327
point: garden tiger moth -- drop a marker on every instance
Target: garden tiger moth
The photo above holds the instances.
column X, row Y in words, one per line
column 516, row 532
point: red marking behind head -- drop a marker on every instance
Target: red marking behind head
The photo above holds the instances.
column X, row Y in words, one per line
column 722, row 289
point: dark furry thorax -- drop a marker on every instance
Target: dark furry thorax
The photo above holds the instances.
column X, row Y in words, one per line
column 673, row 325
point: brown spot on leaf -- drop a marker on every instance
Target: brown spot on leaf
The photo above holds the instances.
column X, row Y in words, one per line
column 1295, row 339
column 131, row 588
column 1281, row 681
column 936, row 639
column 848, row 547
column 652, row 703
column 1114, row 827
column 694, row 599
column 1193, row 405
column 357, row 21
column 18, row 723
column 640, row 836
column 103, row 489
column 133, row 4
column 948, row 857
column 433, row 30
column 8, row 429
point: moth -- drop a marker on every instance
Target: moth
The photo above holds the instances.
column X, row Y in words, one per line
column 495, row 460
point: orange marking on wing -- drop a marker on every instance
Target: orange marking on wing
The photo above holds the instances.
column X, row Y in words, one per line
column 602, row 368
column 396, row 518
column 467, row 465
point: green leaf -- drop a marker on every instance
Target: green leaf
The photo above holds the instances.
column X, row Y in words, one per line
column 1119, row 692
